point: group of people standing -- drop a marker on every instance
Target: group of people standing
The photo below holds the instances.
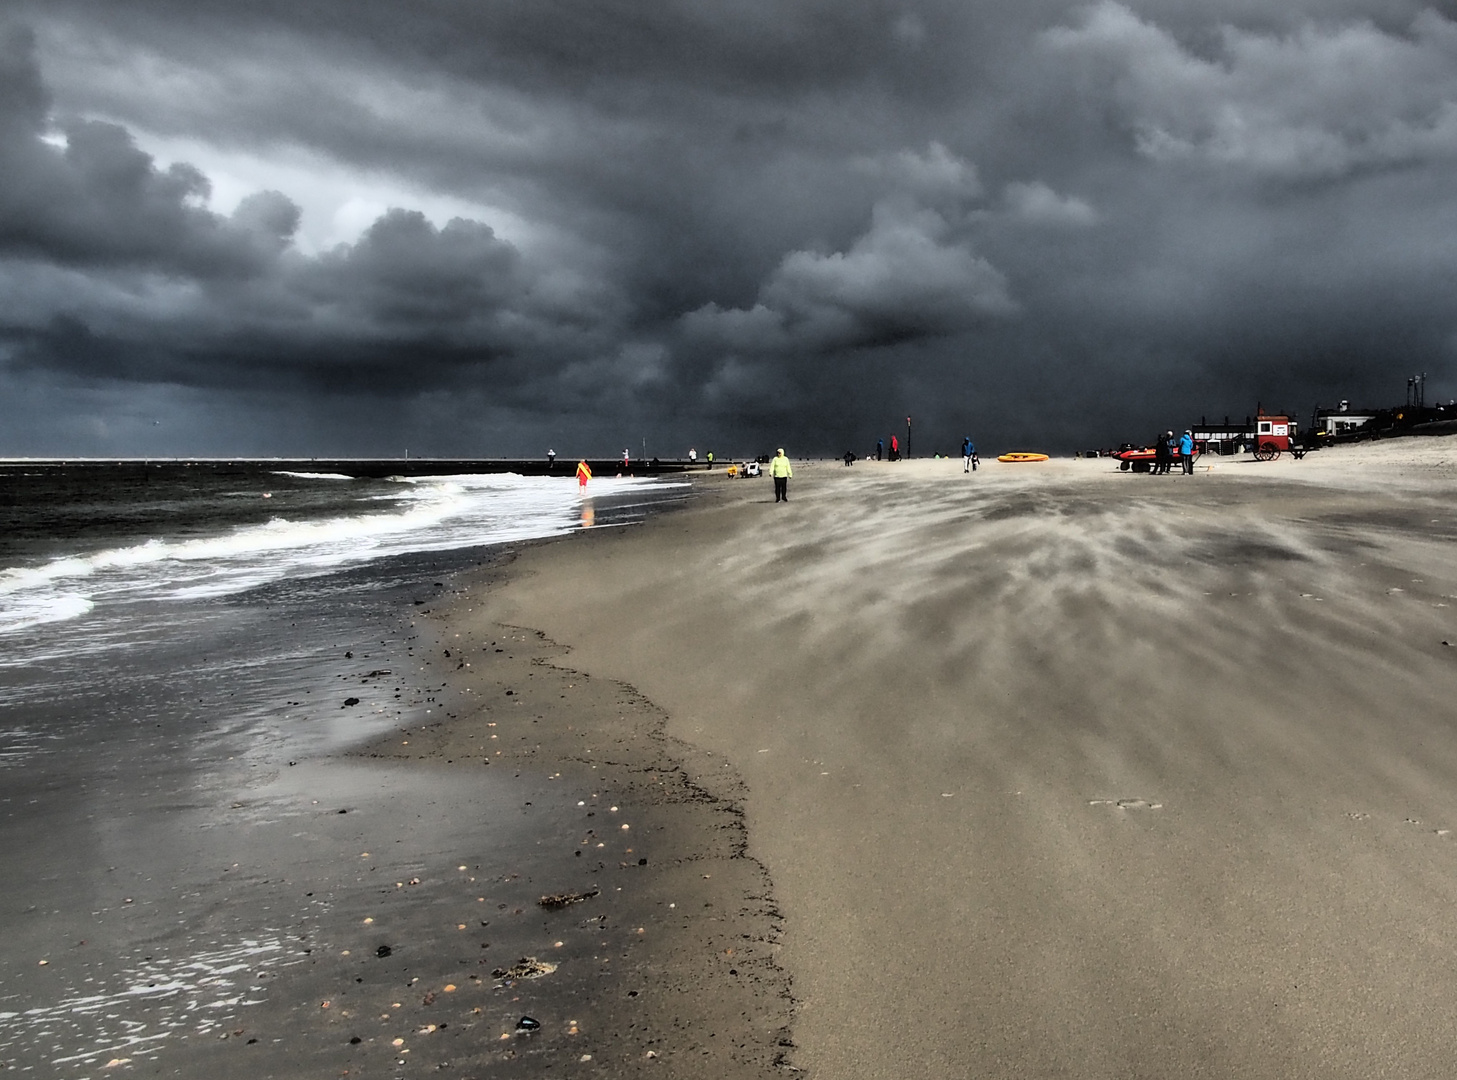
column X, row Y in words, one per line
column 1166, row 448
column 969, row 458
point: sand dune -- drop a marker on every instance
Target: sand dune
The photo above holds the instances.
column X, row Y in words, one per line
column 1059, row 771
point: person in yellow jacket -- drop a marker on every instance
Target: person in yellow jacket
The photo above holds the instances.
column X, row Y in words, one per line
column 779, row 469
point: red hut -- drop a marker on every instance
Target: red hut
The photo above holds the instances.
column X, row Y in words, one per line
column 1273, row 435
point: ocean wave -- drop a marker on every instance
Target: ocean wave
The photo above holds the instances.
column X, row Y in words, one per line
column 428, row 513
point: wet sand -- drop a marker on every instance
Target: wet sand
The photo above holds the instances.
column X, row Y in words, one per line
column 215, row 876
column 636, row 930
column 1058, row 771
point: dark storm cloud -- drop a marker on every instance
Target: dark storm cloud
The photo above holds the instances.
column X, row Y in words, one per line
column 1048, row 220
column 116, row 269
column 1318, row 104
column 912, row 274
column 99, row 201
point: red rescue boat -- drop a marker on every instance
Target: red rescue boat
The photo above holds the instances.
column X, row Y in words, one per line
column 1141, row 458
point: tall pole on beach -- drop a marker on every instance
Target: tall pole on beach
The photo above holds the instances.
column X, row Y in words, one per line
column 908, row 438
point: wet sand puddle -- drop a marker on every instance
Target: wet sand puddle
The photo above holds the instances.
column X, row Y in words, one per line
column 19, row 745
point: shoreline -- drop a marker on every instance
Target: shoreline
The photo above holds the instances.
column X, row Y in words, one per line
column 241, row 873
column 664, row 949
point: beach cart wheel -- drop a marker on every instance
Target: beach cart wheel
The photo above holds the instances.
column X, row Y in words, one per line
column 1267, row 451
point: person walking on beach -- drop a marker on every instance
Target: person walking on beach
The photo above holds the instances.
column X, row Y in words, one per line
column 1186, row 451
column 879, row 448
column 780, row 469
column 968, row 455
column 895, row 449
column 692, row 456
column 550, row 458
column 583, row 475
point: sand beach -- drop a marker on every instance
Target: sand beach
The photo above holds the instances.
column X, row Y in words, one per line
column 1053, row 770
column 1046, row 771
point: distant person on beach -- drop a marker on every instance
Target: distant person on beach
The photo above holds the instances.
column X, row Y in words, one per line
column 583, row 475
column 780, row 469
column 1186, row 451
column 968, row 455
column 895, row 449
column 849, row 457
column 1171, row 445
column 879, row 448
column 550, row 458
column 1161, row 455
column 692, row 456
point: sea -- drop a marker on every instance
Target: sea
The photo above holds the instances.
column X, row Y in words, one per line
column 171, row 633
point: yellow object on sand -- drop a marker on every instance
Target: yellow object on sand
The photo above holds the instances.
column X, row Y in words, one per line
column 1018, row 456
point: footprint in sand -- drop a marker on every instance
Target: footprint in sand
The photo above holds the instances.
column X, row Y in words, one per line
column 1435, row 832
column 1359, row 815
column 1127, row 804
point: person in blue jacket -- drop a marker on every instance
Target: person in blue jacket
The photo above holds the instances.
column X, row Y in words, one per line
column 968, row 455
column 1186, row 451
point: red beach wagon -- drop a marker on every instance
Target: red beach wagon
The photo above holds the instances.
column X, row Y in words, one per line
column 1273, row 435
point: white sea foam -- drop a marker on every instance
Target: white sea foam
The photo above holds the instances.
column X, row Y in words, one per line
column 39, row 608
column 438, row 513
column 138, row 1010
column 313, row 475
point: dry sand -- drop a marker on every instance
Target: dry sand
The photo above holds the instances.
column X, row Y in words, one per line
column 1059, row 771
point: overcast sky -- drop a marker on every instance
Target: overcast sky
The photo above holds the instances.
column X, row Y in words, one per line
column 465, row 227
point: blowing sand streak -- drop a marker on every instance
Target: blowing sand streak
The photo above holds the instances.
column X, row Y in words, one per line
column 1068, row 772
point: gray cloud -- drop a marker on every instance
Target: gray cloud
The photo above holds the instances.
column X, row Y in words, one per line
column 912, row 274
column 128, row 275
column 1037, row 204
column 744, row 223
column 99, row 201
column 1316, row 103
